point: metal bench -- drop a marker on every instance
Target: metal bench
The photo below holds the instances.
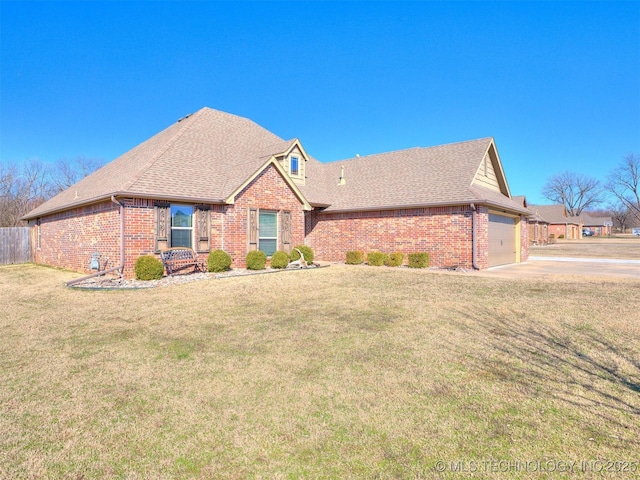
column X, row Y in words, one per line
column 178, row 258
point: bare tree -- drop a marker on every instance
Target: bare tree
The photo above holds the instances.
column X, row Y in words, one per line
column 620, row 215
column 577, row 192
column 8, row 178
column 23, row 189
column 624, row 184
column 67, row 172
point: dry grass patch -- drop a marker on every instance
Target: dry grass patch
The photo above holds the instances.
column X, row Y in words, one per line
column 337, row 372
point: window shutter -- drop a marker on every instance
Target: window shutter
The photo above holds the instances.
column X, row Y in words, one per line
column 285, row 234
column 252, row 229
column 203, row 224
column 163, row 227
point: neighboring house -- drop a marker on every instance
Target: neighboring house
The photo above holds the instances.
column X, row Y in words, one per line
column 597, row 225
column 218, row 181
column 538, row 226
column 559, row 223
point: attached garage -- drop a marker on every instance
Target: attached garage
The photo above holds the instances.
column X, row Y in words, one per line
column 503, row 240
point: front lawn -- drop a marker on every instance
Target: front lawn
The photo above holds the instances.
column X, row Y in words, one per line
column 342, row 372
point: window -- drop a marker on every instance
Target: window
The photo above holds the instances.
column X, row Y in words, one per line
column 294, row 166
column 181, row 225
column 268, row 232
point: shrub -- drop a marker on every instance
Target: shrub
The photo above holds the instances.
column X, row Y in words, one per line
column 355, row 257
column 219, row 261
column 376, row 259
column 561, row 235
column 395, row 259
column 279, row 259
column 418, row 260
column 256, row 260
column 306, row 251
column 148, row 267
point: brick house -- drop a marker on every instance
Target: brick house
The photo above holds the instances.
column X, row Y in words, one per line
column 538, row 226
column 598, row 226
column 218, row 181
column 559, row 223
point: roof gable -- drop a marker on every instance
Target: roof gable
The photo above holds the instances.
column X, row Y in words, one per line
column 490, row 173
column 272, row 161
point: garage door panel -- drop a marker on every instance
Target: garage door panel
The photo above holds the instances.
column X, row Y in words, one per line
column 502, row 240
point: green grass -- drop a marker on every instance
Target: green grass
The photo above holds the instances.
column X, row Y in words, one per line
column 343, row 372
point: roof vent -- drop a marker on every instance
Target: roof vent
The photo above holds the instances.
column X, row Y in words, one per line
column 185, row 117
column 341, row 180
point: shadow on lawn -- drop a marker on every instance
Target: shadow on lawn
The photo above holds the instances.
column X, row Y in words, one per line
column 571, row 363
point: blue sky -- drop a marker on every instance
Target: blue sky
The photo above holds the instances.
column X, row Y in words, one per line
column 557, row 84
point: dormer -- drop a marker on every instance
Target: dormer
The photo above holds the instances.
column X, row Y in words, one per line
column 294, row 161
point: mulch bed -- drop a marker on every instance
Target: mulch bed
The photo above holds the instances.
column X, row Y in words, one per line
column 115, row 283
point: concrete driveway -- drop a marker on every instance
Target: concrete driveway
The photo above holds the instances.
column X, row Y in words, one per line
column 584, row 267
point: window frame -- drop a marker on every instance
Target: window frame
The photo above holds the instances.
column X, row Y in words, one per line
column 173, row 228
column 260, row 235
column 297, row 163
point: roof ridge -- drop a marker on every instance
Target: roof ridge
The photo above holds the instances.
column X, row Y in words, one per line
column 154, row 158
column 358, row 156
column 458, row 143
column 409, row 149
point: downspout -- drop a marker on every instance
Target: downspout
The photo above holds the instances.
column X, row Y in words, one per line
column 113, row 269
column 113, row 199
column 474, row 236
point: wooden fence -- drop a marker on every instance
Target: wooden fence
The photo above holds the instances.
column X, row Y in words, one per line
column 15, row 245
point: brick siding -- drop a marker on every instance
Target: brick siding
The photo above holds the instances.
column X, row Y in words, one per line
column 268, row 191
column 68, row 239
column 443, row 232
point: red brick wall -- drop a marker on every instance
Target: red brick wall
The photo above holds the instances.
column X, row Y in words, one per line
column 443, row 232
column 68, row 239
column 139, row 231
column 524, row 239
column 482, row 233
column 569, row 232
column 268, row 191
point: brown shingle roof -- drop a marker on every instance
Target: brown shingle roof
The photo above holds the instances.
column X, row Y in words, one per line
column 555, row 214
column 440, row 175
column 202, row 157
column 206, row 156
column 590, row 221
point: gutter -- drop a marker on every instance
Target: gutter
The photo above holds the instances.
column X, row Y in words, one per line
column 113, row 269
column 488, row 203
column 101, row 198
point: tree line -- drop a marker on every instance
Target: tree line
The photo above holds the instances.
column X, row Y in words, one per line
column 26, row 187
column 581, row 193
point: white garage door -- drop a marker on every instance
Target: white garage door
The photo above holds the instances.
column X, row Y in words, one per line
column 502, row 240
